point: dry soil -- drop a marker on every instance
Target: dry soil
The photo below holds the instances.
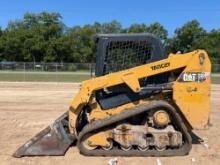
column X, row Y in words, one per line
column 26, row 108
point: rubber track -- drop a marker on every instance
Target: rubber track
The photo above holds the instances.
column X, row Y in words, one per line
column 99, row 125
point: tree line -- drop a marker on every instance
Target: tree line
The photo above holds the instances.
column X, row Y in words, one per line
column 44, row 37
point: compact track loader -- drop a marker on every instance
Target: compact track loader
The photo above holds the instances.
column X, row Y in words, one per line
column 141, row 102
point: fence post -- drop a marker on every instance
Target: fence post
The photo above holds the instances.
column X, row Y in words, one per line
column 56, row 74
column 91, row 67
column 24, row 78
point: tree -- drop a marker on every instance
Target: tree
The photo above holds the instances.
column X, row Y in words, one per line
column 186, row 37
column 12, row 43
column 44, row 38
column 111, row 27
column 81, row 39
column 1, row 31
column 33, row 38
column 155, row 28
column 137, row 28
column 97, row 27
column 211, row 43
column 1, row 45
column 158, row 30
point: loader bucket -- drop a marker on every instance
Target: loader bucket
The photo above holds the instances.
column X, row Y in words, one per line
column 52, row 141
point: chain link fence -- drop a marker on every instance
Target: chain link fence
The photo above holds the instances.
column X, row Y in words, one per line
column 56, row 72
column 60, row 72
column 45, row 67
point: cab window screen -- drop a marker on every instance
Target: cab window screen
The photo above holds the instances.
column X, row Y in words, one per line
column 126, row 54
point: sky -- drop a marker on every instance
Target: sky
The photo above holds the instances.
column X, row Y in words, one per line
column 170, row 13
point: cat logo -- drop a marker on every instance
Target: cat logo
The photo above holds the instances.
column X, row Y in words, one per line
column 160, row 66
column 195, row 77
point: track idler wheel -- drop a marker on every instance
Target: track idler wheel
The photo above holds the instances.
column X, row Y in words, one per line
column 160, row 148
column 88, row 146
column 143, row 148
column 107, row 148
column 126, row 148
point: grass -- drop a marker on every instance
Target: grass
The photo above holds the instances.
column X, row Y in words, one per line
column 44, row 76
column 215, row 78
column 58, row 76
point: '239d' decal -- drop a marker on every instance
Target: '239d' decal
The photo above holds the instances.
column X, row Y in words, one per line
column 194, row 77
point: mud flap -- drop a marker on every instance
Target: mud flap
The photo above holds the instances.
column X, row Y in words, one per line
column 52, row 141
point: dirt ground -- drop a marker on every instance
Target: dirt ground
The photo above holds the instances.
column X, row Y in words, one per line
column 26, row 108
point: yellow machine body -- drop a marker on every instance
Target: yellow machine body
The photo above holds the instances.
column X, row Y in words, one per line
column 191, row 90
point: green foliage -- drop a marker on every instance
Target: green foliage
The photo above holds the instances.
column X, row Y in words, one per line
column 33, row 38
column 211, row 43
column 186, row 37
column 72, row 67
column 112, row 27
column 158, row 30
column 136, row 28
column 155, row 28
column 1, row 31
column 44, row 38
column 192, row 36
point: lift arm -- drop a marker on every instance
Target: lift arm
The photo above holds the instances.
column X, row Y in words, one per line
column 131, row 78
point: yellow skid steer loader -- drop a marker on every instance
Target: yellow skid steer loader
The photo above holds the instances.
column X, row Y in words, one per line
column 141, row 102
